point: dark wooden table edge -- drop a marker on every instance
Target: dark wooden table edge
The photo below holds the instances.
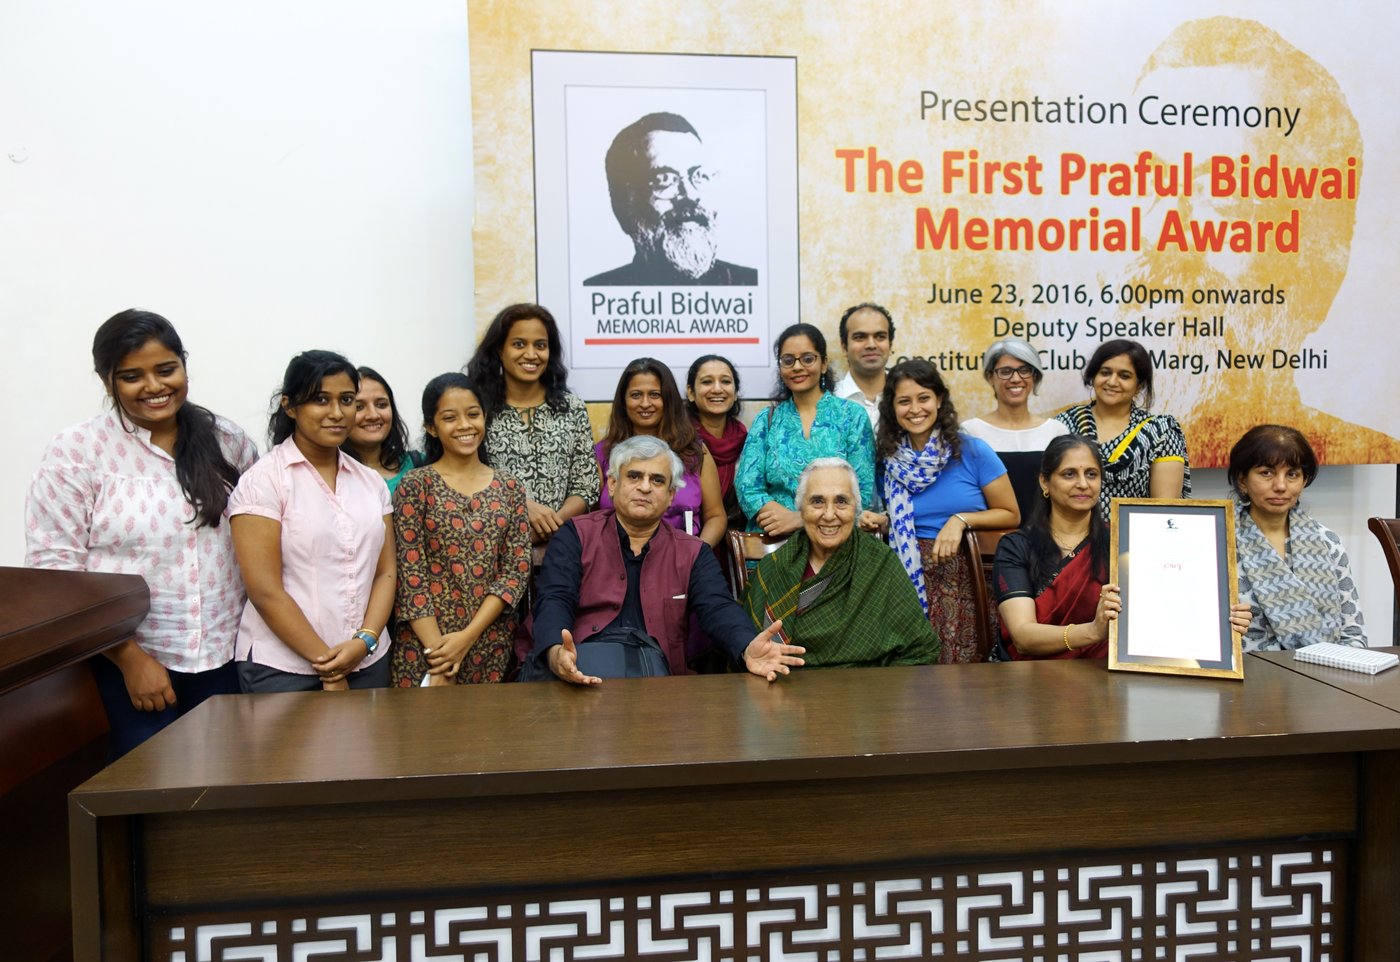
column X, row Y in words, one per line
column 1333, row 682
column 100, row 802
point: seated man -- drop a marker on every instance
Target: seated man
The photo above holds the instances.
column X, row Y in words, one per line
column 624, row 582
column 841, row 594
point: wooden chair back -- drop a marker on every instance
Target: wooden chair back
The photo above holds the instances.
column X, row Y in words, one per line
column 743, row 549
column 978, row 549
column 1387, row 532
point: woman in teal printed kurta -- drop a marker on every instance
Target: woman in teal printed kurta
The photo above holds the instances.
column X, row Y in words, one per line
column 806, row 422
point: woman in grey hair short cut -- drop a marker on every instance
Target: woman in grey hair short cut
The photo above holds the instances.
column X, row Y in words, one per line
column 1012, row 367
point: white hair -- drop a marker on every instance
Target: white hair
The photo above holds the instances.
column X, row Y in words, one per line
column 1021, row 351
column 644, row 447
column 820, row 463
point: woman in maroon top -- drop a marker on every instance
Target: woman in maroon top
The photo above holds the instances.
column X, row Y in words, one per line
column 712, row 390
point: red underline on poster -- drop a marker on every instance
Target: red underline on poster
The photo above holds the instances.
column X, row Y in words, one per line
column 671, row 340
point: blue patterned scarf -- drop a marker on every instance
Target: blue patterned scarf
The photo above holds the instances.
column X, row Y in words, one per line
column 907, row 472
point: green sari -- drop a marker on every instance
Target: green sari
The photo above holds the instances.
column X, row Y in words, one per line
column 859, row 610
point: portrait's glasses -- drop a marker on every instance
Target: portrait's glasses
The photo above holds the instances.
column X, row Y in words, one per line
column 788, row 360
column 665, row 183
column 1007, row 373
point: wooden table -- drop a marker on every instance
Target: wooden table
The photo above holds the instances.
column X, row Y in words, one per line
column 1383, row 689
column 1036, row 811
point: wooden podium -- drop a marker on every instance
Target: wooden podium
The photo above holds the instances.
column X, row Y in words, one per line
column 987, row 811
column 52, row 735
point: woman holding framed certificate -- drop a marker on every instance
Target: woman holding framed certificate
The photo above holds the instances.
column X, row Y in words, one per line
column 1051, row 576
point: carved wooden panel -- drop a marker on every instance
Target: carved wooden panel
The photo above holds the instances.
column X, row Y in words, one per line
column 1283, row 902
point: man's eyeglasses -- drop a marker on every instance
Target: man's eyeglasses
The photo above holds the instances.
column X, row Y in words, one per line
column 665, row 183
column 1024, row 372
column 788, row 360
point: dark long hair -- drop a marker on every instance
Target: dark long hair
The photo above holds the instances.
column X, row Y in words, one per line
column 1045, row 553
column 484, row 369
column 676, row 427
column 394, row 448
column 205, row 474
column 300, row 383
column 827, row 382
column 923, row 373
column 432, row 396
column 694, row 372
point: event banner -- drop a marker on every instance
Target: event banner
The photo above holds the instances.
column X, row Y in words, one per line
column 1190, row 176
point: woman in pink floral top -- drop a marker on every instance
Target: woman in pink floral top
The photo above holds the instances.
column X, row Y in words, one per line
column 143, row 489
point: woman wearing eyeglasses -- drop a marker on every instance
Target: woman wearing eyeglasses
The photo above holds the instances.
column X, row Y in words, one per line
column 805, row 422
column 1012, row 368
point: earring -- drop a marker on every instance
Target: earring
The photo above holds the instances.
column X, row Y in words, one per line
column 1045, row 493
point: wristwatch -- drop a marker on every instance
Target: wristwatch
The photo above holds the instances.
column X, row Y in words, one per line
column 370, row 639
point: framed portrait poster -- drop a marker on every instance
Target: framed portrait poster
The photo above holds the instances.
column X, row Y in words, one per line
column 665, row 208
column 1174, row 561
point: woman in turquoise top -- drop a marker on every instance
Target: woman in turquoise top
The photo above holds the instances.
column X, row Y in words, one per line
column 805, row 422
column 379, row 438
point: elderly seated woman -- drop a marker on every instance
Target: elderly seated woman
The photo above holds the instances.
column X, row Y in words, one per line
column 1293, row 570
column 839, row 593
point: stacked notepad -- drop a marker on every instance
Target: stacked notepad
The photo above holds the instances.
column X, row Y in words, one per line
column 1365, row 660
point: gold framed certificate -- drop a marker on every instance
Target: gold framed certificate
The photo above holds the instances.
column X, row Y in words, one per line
column 1174, row 562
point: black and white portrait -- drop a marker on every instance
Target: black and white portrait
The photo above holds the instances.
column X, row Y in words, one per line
column 659, row 179
column 665, row 207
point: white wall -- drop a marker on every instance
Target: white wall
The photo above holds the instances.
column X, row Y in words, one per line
column 275, row 176
column 271, row 176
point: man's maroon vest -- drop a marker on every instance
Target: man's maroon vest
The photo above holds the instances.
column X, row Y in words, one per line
column 665, row 582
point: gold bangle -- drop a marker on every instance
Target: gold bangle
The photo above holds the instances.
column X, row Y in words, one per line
column 967, row 525
column 1065, row 638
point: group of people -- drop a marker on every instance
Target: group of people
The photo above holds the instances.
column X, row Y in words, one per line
column 345, row 558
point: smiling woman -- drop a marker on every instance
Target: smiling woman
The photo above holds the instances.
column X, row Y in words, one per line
column 1144, row 454
column 805, row 422
column 835, row 591
column 463, row 543
column 378, row 438
column 312, row 532
column 938, row 483
column 536, row 430
column 648, row 402
column 144, row 489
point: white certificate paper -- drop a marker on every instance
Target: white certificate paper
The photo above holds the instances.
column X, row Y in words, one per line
column 1173, row 593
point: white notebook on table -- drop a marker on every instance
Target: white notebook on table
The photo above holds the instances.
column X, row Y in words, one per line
column 1365, row 660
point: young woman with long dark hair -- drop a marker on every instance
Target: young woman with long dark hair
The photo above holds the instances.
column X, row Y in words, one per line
column 144, row 489
column 379, row 436
column 535, row 429
column 805, row 422
column 463, row 536
column 937, row 483
column 314, row 535
column 712, row 392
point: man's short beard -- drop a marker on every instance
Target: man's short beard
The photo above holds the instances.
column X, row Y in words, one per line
column 684, row 242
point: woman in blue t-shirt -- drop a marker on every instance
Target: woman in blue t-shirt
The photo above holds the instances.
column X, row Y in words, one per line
column 937, row 483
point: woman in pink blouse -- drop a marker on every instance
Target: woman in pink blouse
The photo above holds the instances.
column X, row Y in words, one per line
column 312, row 528
column 144, row 489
